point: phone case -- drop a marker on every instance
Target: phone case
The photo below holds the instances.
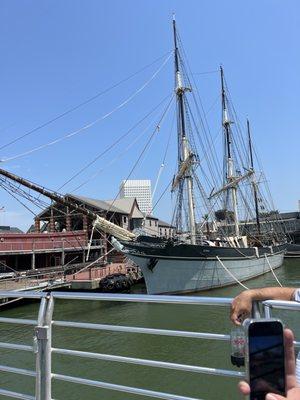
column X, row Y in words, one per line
column 246, row 325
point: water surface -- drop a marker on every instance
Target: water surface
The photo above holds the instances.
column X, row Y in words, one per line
column 188, row 351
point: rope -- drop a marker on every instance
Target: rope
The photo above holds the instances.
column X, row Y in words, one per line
column 70, row 110
column 89, row 125
column 94, row 262
column 230, row 273
column 120, row 138
column 127, row 148
column 270, row 266
column 156, row 129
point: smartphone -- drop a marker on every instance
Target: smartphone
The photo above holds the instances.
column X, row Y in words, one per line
column 265, row 366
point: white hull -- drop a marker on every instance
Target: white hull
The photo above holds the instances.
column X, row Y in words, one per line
column 183, row 276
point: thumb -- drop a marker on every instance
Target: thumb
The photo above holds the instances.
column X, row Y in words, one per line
column 273, row 396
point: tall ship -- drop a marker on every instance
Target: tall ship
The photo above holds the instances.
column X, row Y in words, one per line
column 218, row 249
column 225, row 232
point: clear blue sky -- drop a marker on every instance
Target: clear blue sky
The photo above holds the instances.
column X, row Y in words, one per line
column 56, row 54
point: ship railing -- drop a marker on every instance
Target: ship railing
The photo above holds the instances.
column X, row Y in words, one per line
column 43, row 350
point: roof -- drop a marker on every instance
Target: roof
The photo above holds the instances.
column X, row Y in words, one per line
column 126, row 205
column 165, row 224
column 10, row 229
column 102, row 205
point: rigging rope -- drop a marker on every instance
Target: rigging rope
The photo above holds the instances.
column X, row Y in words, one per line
column 231, row 274
column 70, row 110
column 161, row 168
column 94, row 262
column 272, row 270
column 11, row 188
column 114, row 159
column 143, row 151
column 89, row 125
column 113, row 144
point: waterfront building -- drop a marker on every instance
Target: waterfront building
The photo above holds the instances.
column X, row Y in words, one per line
column 61, row 236
column 166, row 230
column 141, row 190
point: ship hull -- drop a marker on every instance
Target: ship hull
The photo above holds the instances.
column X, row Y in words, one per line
column 165, row 274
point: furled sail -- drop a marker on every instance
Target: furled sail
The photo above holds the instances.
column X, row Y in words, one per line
column 113, row 229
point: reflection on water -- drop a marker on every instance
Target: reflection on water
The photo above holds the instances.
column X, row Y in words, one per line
column 188, row 351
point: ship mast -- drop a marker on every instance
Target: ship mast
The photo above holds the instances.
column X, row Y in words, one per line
column 185, row 155
column 229, row 160
column 254, row 184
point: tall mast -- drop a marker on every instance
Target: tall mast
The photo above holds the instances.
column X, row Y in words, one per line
column 254, row 184
column 229, row 160
column 185, row 154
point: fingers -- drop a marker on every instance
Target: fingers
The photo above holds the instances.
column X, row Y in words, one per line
column 235, row 318
column 272, row 396
column 241, row 307
column 244, row 388
column 238, row 315
column 293, row 394
column 289, row 359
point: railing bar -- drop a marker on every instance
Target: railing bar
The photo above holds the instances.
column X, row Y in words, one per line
column 18, row 371
column 16, row 395
column 283, row 305
column 19, row 321
column 208, row 301
column 28, row 294
column 150, row 363
column 15, row 346
column 149, row 331
column 121, row 388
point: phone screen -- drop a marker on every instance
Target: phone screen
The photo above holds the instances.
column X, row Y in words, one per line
column 266, row 359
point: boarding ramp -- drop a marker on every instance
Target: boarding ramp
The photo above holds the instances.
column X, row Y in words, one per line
column 42, row 348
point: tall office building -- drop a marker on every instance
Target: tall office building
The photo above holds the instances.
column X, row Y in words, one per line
column 141, row 190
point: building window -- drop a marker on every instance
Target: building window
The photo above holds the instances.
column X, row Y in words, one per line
column 150, row 223
column 124, row 220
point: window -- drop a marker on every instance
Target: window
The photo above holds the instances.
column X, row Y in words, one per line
column 124, row 220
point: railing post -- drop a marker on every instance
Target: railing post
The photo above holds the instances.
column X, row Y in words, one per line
column 255, row 310
column 42, row 338
column 267, row 311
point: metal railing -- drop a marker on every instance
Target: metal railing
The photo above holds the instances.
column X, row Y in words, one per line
column 42, row 344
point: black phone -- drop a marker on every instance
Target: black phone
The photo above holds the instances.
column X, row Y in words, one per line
column 265, row 365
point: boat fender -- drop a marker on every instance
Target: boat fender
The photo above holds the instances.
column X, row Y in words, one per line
column 256, row 252
column 152, row 263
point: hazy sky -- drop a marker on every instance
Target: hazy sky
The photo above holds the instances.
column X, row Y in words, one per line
column 57, row 54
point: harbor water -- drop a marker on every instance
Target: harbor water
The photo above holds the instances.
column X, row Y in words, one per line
column 179, row 350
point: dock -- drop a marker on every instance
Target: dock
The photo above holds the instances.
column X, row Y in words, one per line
column 89, row 279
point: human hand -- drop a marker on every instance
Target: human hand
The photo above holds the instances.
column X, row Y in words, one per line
column 292, row 390
column 241, row 307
